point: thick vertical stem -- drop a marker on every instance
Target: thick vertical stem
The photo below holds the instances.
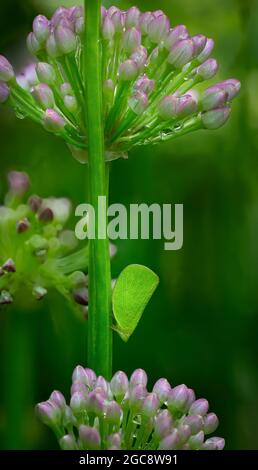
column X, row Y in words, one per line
column 99, row 324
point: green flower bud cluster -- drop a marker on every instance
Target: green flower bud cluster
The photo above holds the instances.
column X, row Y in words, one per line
column 149, row 73
column 122, row 414
column 37, row 252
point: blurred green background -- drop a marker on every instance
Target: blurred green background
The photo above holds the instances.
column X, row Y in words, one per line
column 202, row 326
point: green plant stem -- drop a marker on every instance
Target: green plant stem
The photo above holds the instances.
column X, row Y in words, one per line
column 99, row 324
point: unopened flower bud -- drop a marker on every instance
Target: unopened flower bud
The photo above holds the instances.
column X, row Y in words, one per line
column 213, row 100
column 58, row 398
column 67, row 442
column 53, row 122
column 207, row 70
column 114, row 440
column 181, row 53
column 206, row 52
column 51, row 47
column 138, row 103
column 33, row 44
column 211, row 423
column 162, row 389
column 41, row 28
column 118, row 21
column 39, row 292
column 128, row 70
column 46, row 215
column 4, row 92
column 81, row 296
column 150, row 405
column 194, row 422
column 65, row 39
column 132, row 17
column 137, row 396
column 79, row 26
column 35, row 203
column 145, row 20
column 80, row 375
column 199, row 42
column 131, row 40
column 96, row 403
column 140, row 56
column 215, row 118
column 170, row 442
column 78, row 403
column 5, row 298
column 46, row 73
column 195, row 442
column 231, row 87
column 9, row 266
column 19, row 182
column 66, row 89
column 114, row 413
column 89, row 437
column 177, row 398
column 158, row 28
column 163, row 424
column 44, row 96
column 6, row 70
column 71, row 103
column 214, row 443
column 49, row 413
column 108, row 29
column 119, row 385
column 199, row 407
column 138, row 377
column 145, row 85
column 176, row 34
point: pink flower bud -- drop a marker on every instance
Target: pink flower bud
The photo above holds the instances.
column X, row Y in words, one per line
column 41, row 28
column 6, row 70
column 53, row 122
column 181, row 53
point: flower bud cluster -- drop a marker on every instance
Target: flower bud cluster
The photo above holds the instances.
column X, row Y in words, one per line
column 37, row 252
column 122, row 414
column 150, row 70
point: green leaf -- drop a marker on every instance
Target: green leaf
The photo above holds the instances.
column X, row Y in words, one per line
column 133, row 290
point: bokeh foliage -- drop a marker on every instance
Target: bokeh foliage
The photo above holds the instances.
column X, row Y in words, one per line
column 201, row 327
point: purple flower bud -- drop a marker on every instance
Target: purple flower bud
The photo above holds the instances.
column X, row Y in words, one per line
column 78, row 403
column 162, row 389
column 157, row 13
column 80, row 375
column 177, row 398
column 181, row 53
column 170, row 442
column 67, row 442
column 172, row 107
column 71, row 103
column 231, row 87
column 75, row 13
column 206, row 52
column 33, row 44
column 150, row 405
column 79, row 387
column 145, row 85
column 4, row 92
column 91, row 377
column 19, row 182
column 176, row 34
column 215, row 118
column 9, row 266
column 199, row 42
column 53, row 122
column 65, row 39
column 191, row 397
column 137, row 396
column 132, row 17
column 22, row 225
column 131, row 40
column 49, row 413
column 128, row 70
column 46, row 215
column 46, row 73
column 184, row 433
column 60, row 13
column 108, row 29
column 58, row 398
column 102, row 385
column 138, row 377
column 96, row 403
column 114, row 413
column 89, row 437
column 103, row 12
column 138, row 103
column 199, row 407
column 207, row 70
column 5, row 298
column 66, row 89
column 6, row 70
column 114, row 440
column 51, row 47
column 81, row 296
column 158, row 28
column 211, row 423
column 213, row 99
column 214, row 443
column 196, row 442
column 118, row 21
column 111, row 11
column 145, row 20
column 195, row 423
column 44, row 96
column 163, row 424
column 41, row 28
column 35, row 203
column 119, row 385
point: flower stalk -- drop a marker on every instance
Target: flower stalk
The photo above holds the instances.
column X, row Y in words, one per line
column 99, row 325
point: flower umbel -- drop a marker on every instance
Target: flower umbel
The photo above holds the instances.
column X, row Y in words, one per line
column 149, row 72
column 122, row 414
column 37, row 252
